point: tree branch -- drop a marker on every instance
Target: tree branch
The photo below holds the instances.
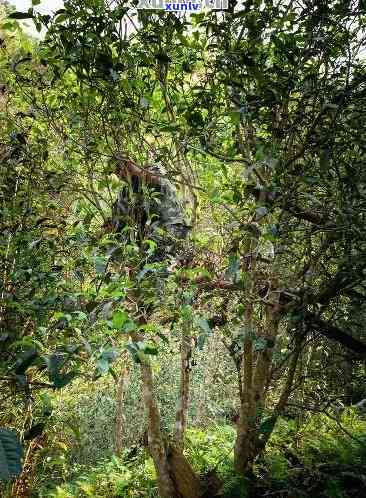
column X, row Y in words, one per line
column 332, row 332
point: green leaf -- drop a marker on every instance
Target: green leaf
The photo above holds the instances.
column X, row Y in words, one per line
column 10, row 455
column 163, row 337
column 272, row 231
column 235, row 117
column 105, row 360
column 47, row 406
column 148, row 348
column 119, row 319
column 134, row 350
column 233, row 269
column 55, row 363
column 203, row 324
column 34, row 431
column 20, row 15
column 100, row 265
column 201, row 340
column 8, row 26
column 129, row 326
column 102, row 366
column 260, row 344
column 188, row 297
column 36, row 2
column 260, row 212
column 141, row 274
column 62, row 380
column 25, row 360
column 80, row 315
column 267, row 425
column 61, row 17
column 240, row 310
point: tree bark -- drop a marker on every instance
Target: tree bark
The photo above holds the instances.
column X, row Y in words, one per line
column 176, row 478
column 183, row 400
column 248, row 442
column 264, row 360
column 155, row 437
column 120, row 418
column 246, row 426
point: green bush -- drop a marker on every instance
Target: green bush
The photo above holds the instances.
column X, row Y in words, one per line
column 323, row 440
column 113, row 478
column 212, row 448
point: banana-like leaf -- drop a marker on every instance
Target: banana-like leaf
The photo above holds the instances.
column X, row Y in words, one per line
column 10, row 454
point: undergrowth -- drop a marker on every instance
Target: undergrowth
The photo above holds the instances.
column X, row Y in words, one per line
column 319, row 458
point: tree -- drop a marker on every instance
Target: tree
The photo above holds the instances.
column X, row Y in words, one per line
column 256, row 115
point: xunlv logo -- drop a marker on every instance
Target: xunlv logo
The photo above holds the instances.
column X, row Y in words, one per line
column 181, row 5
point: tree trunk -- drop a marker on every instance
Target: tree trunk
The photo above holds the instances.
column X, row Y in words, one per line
column 186, row 481
column 176, row 478
column 182, row 409
column 120, row 418
column 246, row 426
column 248, row 443
column 155, row 438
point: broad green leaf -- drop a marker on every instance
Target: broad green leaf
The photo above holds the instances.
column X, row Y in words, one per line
column 8, row 26
column 235, row 117
column 201, row 340
column 105, row 360
column 129, row 326
column 62, row 380
column 119, row 319
column 100, row 265
column 149, row 348
column 134, row 350
column 55, row 363
column 61, row 18
column 80, row 315
column 10, row 455
column 203, row 324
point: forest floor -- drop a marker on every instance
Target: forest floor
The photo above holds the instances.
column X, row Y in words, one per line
column 314, row 458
